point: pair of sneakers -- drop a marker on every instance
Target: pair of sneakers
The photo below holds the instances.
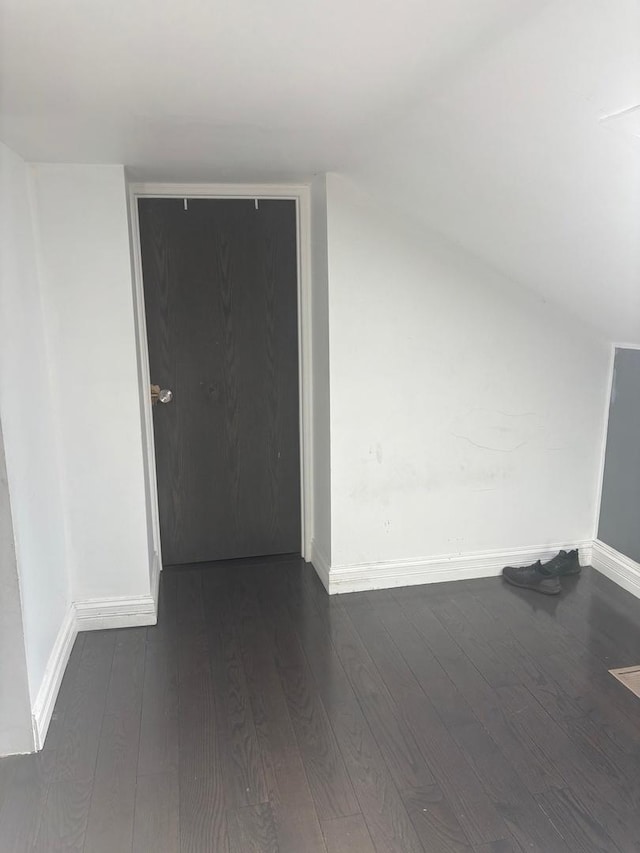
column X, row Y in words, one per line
column 544, row 577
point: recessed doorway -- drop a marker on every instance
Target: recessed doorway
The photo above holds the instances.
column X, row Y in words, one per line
column 219, row 285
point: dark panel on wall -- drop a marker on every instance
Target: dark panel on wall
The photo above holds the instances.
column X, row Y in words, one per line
column 620, row 507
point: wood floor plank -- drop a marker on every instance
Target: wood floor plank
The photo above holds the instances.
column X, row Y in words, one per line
column 582, row 832
column 245, row 781
column 525, row 820
column 524, row 755
column 77, row 749
column 409, row 768
column 612, row 610
column 610, row 804
column 386, row 816
column 591, row 622
column 289, row 792
column 124, row 695
column 516, row 741
column 453, row 773
column 426, row 668
column 159, row 730
column 252, row 830
column 347, row 835
column 203, row 825
column 594, row 715
column 24, row 803
column 531, row 618
column 438, row 826
column 7, row 769
column 296, row 825
column 157, row 824
column 537, row 734
column 111, row 815
column 598, row 694
column 587, row 688
column 502, row 846
column 64, row 819
column 286, row 778
column 616, row 762
column 503, row 636
column 331, row 787
column 474, row 643
column 589, row 713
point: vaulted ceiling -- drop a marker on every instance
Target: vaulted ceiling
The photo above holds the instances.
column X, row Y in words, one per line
column 486, row 119
column 529, row 156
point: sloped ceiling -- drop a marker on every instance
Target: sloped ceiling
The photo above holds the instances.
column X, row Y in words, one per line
column 485, row 119
column 530, row 158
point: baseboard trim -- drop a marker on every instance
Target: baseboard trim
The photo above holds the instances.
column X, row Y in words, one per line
column 52, row 679
column 617, row 567
column 90, row 615
column 321, row 564
column 95, row 614
column 449, row 567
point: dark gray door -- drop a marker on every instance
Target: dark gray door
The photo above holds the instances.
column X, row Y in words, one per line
column 220, row 284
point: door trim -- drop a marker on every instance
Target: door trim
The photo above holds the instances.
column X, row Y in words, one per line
column 301, row 194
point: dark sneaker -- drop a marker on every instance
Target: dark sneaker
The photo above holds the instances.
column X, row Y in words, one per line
column 565, row 563
column 532, row 577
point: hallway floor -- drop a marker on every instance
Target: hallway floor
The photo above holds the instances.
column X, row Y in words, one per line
column 260, row 716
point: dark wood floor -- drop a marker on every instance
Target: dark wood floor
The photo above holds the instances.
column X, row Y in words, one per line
column 260, row 715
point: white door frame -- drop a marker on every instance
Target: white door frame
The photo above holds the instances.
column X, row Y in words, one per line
column 300, row 193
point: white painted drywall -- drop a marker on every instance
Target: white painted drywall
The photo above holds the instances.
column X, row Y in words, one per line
column 466, row 414
column 512, row 156
column 320, row 379
column 29, row 425
column 88, row 294
column 16, row 730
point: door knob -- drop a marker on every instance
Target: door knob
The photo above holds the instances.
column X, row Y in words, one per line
column 162, row 395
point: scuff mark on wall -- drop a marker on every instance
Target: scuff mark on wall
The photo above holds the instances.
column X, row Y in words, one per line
column 497, row 430
column 377, row 452
column 485, row 447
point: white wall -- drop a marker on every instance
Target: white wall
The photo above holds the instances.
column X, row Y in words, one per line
column 83, row 232
column 16, row 731
column 466, row 414
column 29, row 425
column 320, row 379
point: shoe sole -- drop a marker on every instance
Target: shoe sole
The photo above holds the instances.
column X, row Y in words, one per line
column 533, row 588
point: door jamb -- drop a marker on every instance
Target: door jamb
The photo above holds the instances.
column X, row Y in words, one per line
column 301, row 194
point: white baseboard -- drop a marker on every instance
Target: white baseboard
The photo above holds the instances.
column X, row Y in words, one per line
column 89, row 615
column 320, row 564
column 94, row 614
column 56, row 665
column 450, row 567
column 127, row 612
column 621, row 569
